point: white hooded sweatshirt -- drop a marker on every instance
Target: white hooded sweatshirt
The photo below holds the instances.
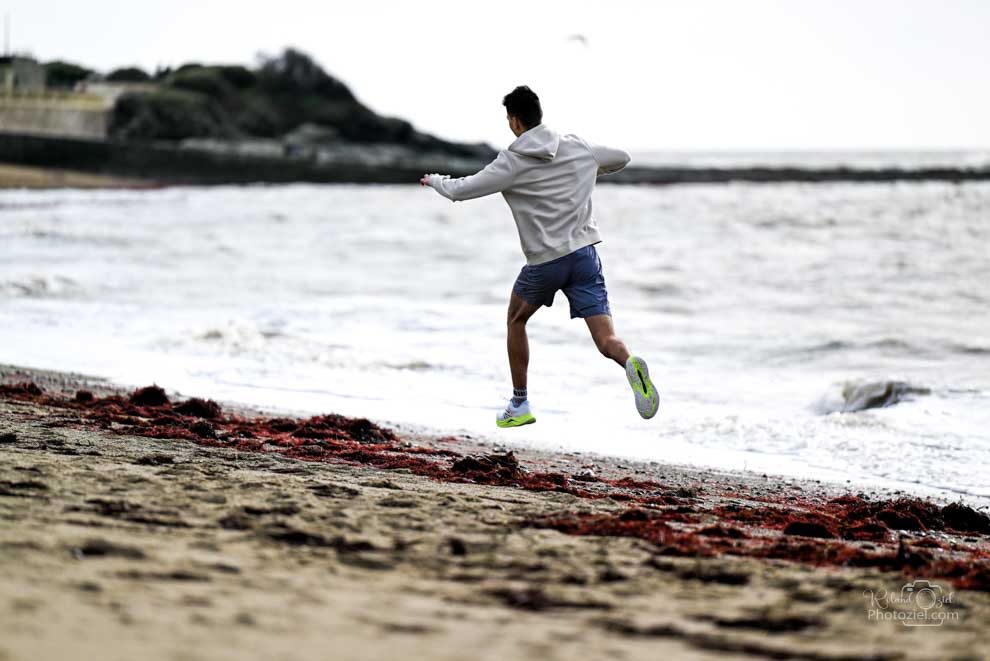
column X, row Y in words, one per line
column 547, row 180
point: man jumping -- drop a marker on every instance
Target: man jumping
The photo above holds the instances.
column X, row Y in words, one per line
column 547, row 180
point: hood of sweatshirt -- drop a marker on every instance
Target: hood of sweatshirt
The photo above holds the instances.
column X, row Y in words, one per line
column 540, row 142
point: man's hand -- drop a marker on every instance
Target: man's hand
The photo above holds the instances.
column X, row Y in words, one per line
column 424, row 180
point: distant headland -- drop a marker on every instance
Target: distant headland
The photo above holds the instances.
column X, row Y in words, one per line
column 213, row 122
column 284, row 120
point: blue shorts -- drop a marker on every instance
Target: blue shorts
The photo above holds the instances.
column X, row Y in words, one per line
column 579, row 274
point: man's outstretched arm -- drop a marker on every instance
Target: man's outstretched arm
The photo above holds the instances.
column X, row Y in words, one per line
column 609, row 160
column 496, row 177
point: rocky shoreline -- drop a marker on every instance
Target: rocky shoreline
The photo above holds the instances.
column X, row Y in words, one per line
column 212, row 163
column 180, row 527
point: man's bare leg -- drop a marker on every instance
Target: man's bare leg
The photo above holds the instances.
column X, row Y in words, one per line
column 516, row 341
column 603, row 333
column 638, row 374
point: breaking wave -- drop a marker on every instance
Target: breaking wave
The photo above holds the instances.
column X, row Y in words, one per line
column 48, row 286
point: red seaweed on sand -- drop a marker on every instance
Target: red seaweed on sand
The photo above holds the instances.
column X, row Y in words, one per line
column 905, row 534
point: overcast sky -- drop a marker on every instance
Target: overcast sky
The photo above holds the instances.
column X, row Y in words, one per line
column 704, row 74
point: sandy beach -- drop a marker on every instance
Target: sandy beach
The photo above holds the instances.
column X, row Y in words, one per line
column 26, row 176
column 122, row 539
column 263, row 291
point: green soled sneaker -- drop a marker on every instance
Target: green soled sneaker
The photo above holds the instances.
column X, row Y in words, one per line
column 647, row 397
column 515, row 416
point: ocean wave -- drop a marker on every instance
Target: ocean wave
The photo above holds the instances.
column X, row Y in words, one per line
column 889, row 346
column 17, row 200
column 794, row 222
column 415, row 365
column 852, row 396
column 41, row 286
column 239, row 337
column 662, row 289
column 77, row 238
column 969, row 349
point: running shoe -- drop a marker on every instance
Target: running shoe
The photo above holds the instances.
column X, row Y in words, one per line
column 515, row 416
column 647, row 397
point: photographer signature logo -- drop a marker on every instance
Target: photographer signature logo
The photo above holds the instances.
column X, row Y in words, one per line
column 919, row 604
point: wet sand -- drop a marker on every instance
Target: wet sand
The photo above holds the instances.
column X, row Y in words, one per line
column 26, row 176
column 134, row 527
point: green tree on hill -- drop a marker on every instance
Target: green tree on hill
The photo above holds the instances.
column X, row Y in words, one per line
column 61, row 74
column 128, row 75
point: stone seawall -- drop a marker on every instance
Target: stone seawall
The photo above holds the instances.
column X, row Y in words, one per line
column 54, row 114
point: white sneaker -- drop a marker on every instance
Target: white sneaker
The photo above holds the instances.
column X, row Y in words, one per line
column 647, row 397
column 515, row 416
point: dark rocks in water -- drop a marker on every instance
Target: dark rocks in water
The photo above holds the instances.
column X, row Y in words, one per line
column 8, row 437
column 84, row 396
column 149, row 396
column 859, row 396
column 767, row 174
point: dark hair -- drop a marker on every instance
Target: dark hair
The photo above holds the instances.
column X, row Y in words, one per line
column 523, row 104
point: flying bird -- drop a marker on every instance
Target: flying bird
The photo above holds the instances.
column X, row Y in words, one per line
column 580, row 38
